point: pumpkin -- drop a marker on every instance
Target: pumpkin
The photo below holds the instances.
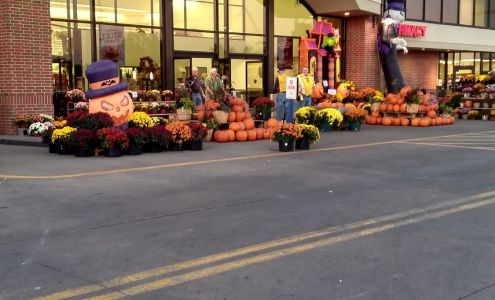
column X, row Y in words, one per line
column 231, row 117
column 425, row 99
column 118, row 105
column 405, row 91
column 247, row 115
column 425, row 122
column 378, row 120
column 221, row 136
column 468, row 103
column 386, row 121
column 242, row 126
column 249, row 123
column 375, row 114
column 266, row 134
column 241, row 136
column 415, row 122
column 432, row 114
column 340, row 104
column 383, row 107
column 396, row 121
column 400, row 100
column 259, row 133
column 234, row 126
column 391, row 98
column 422, row 108
column 231, row 135
column 435, row 107
column 235, row 101
column 201, row 115
column 272, row 123
column 433, row 122
column 452, row 120
column 239, row 116
column 251, row 135
column 390, row 107
column 404, row 122
column 237, row 108
column 403, row 108
column 396, row 108
column 371, row 120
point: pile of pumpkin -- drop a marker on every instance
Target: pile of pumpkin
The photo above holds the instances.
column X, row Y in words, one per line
column 241, row 126
column 395, row 103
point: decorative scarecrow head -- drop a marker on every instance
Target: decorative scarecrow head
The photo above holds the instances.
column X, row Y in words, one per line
column 395, row 10
column 107, row 93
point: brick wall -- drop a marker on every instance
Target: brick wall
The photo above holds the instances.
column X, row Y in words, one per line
column 362, row 61
column 25, row 60
column 420, row 68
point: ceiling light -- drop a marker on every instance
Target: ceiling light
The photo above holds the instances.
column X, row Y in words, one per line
column 347, row 13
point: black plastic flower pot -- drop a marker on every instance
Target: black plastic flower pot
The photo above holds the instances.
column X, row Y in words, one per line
column 134, row 149
column 303, row 144
column 286, row 146
column 113, row 152
column 196, row 145
column 85, row 152
column 64, row 149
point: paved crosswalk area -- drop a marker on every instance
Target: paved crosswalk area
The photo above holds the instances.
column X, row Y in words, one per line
column 479, row 141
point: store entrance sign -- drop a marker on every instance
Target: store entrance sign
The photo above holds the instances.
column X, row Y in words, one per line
column 291, row 88
column 412, row 30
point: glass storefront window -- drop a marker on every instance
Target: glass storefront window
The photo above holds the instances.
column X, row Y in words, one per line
column 466, row 12
column 414, row 9
column 194, row 15
column 480, row 13
column 72, row 9
column 249, row 44
column 492, row 14
column 291, row 18
column 485, row 62
column 134, row 12
column 105, row 11
column 194, row 41
column 477, row 63
column 450, row 11
column 433, row 10
column 247, row 16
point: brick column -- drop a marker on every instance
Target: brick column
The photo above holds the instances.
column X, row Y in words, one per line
column 25, row 60
column 420, row 68
column 362, row 61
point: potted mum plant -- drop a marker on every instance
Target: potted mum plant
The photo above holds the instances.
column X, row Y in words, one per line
column 159, row 137
column 310, row 135
column 63, row 139
column 85, row 142
column 286, row 135
column 355, row 116
column 198, row 133
column 180, row 132
column 305, row 115
column 113, row 141
column 140, row 120
column 263, row 107
column 96, row 121
column 184, row 108
column 211, row 126
column 327, row 118
column 137, row 138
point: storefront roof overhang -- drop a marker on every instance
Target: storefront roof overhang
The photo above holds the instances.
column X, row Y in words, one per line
column 340, row 7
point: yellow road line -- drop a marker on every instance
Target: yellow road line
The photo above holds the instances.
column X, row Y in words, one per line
column 263, row 258
column 211, row 161
column 120, row 281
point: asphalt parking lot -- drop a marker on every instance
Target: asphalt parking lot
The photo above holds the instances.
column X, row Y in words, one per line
column 385, row 213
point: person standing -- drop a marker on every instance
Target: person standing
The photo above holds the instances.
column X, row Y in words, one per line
column 306, row 85
column 283, row 106
column 194, row 84
column 214, row 87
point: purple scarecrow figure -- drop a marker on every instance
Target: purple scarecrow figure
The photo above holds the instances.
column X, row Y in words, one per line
column 389, row 42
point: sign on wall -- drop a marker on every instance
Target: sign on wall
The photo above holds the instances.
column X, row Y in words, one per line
column 412, row 30
column 291, row 88
column 285, row 57
column 112, row 43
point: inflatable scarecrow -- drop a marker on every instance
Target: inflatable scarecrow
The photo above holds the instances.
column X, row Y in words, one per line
column 389, row 42
column 107, row 93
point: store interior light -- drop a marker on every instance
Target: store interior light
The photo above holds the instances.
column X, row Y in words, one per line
column 99, row 7
column 347, row 13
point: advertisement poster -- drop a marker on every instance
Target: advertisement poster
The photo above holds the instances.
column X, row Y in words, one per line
column 291, row 88
column 284, row 52
column 112, row 43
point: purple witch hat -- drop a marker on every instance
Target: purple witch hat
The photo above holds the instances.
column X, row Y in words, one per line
column 396, row 4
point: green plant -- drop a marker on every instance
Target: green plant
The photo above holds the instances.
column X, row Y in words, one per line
column 287, row 133
column 329, row 115
column 211, row 124
column 305, row 115
column 445, row 108
column 137, row 136
column 455, row 100
column 185, row 103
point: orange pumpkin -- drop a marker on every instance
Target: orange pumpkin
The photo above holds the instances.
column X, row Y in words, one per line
column 241, row 136
column 371, row 120
column 433, row 122
column 378, row 120
column 383, row 107
column 396, row 121
column 432, row 114
column 425, row 122
column 390, row 107
column 221, row 136
column 201, row 115
column 375, row 114
column 404, row 122
column 415, row 122
column 266, row 134
column 242, row 126
column 247, row 115
column 407, row 90
column 251, row 135
column 422, row 108
column 272, row 123
column 468, row 103
column 231, row 117
column 400, row 100
column 249, row 123
column 237, row 108
column 239, row 116
column 391, row 98
column 403, row 108
column 396, row 108
column 386, row 121
column 231, row 135
column 259, row 133
column 234, row 126
column 435, row 107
